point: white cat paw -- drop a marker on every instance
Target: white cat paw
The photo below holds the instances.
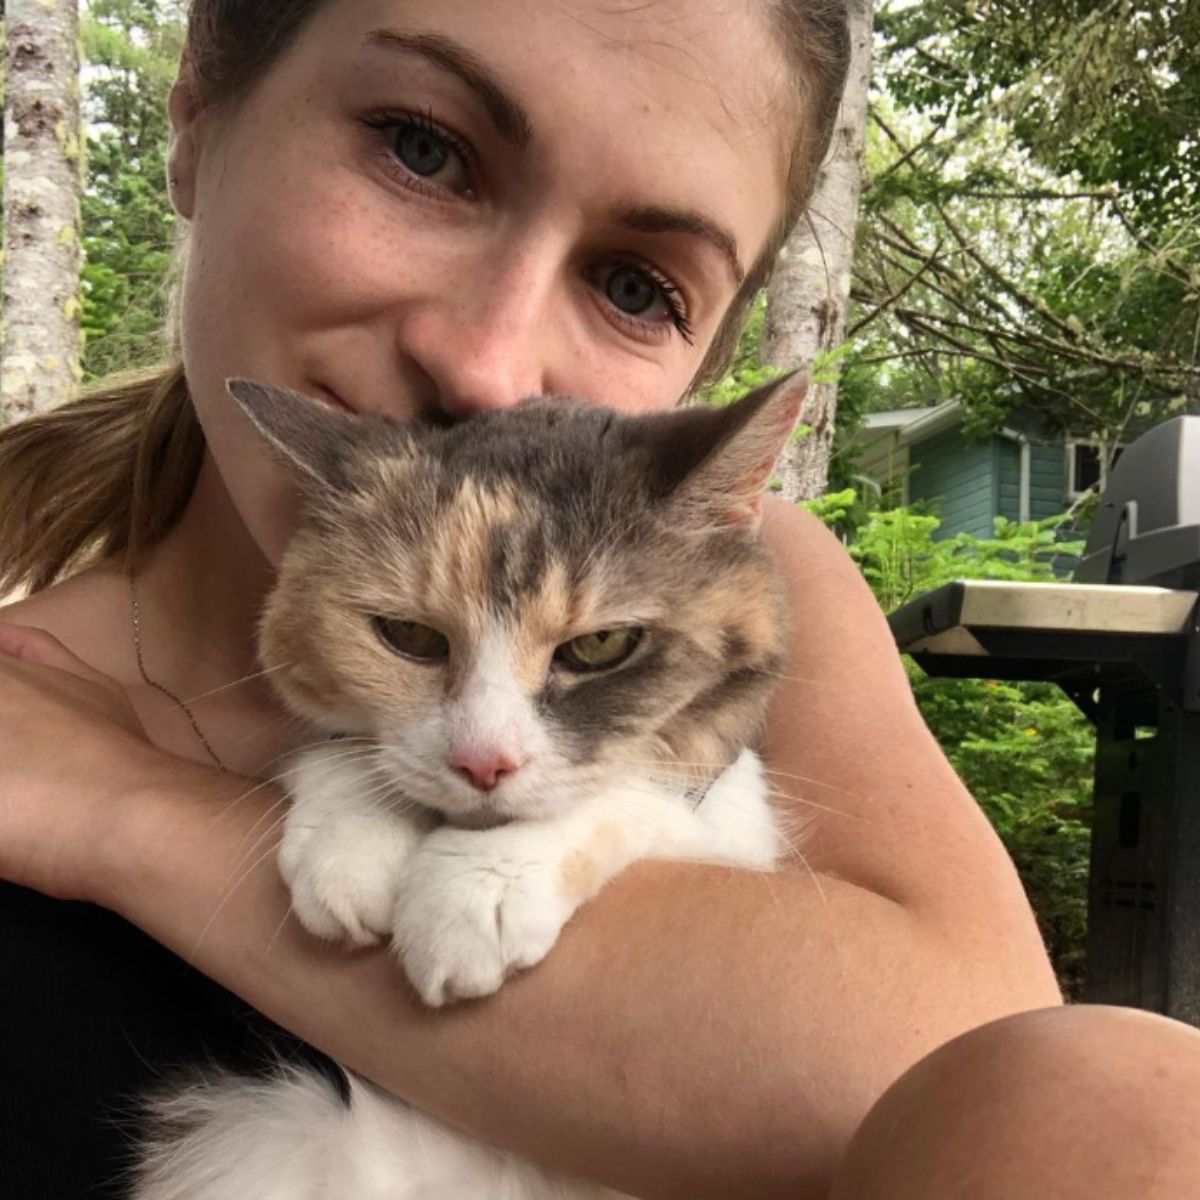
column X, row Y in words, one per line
column 344, row 873
column 472, row 910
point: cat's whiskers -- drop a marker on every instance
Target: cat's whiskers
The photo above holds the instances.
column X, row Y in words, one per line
column 320, row 740
column 347, row 748
column 233, row 884
column 792, row 798
column 286, row 723
column 281, row 804
column 719, row 766
column 771, row 771
column 663, row 772
column 277, row 778
column 791, row 678
column 273, row 816
column 226, row 687
column 287, row 912
column 282, row 729
column 797, row 856
column 226, row 809
column 384, row 795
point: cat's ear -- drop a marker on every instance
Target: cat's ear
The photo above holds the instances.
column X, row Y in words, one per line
column 723, row 458
column 310, row 435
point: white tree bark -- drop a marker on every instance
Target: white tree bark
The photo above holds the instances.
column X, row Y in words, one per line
column 809, row 292
column 40, row 330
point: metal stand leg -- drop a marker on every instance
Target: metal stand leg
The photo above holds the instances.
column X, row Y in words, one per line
column 1143, row 946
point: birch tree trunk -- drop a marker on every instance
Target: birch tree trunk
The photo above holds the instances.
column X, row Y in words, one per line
column 809, row 292
column 40, row 330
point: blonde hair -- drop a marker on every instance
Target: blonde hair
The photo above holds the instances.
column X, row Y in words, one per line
column 107, row 473
column 112, row 472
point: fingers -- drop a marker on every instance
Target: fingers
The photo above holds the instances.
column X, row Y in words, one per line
column 52, row 671
column 27, row 644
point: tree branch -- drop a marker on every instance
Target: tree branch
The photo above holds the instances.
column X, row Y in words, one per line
column 883, row 305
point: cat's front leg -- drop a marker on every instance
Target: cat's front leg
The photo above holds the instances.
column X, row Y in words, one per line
column 346, row 842
column 475, row 906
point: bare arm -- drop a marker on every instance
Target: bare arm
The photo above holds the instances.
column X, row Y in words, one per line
column 698, row 1031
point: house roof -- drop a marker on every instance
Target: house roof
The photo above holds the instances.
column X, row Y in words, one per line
column 908, row 424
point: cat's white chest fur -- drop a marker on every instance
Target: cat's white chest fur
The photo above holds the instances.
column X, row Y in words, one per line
column 463, row 910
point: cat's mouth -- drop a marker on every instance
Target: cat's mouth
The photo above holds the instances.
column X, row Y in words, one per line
column 478, row 819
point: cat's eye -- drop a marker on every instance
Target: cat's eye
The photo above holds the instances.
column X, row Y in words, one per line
column 412, row 639
column 599, row 651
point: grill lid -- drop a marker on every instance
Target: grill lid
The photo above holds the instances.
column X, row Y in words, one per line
column 1147, row 528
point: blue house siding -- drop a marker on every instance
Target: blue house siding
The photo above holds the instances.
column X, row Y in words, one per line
column 1047, row 481
column 961, row 475
column 1008, row 478
column 972, row 482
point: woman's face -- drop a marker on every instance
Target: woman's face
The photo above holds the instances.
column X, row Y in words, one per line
column 443, row 206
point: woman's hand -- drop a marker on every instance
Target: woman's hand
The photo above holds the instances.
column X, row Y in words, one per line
column 72, row 750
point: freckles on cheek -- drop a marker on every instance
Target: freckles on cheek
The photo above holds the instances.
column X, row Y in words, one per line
column 336, row 256
column 302, row 258
column 601, row 370
column 640, row 388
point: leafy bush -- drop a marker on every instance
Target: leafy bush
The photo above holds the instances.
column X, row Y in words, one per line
column 1023, row 749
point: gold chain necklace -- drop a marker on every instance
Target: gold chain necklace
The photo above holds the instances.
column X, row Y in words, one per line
column 135, row 612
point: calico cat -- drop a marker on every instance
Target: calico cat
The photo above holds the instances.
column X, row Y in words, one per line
column 541, row 643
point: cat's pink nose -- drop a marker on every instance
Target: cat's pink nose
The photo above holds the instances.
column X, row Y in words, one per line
column 484, row 766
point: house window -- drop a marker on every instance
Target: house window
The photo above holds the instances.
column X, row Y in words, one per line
column 1088, row 466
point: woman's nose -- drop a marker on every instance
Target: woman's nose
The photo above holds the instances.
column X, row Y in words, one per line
column 481, row 346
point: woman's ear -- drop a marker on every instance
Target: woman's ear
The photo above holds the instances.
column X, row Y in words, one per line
column 185, row 114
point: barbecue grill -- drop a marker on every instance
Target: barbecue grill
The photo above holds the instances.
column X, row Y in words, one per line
column 1123, row 640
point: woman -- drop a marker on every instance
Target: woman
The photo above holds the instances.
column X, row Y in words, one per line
column 435, row 207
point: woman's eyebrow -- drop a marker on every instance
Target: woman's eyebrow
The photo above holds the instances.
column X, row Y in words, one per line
column 509, row 117
column 652, row 219
column 514, row 125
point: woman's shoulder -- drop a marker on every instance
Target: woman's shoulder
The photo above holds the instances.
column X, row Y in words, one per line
column 837, row 624
column 87, row 612
column 850, row 756
column 843, row 659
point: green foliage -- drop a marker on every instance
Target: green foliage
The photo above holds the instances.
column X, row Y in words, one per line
column 1023, row 750
column 1107, row 90
column 131, row 48
column 745, row 372
column 1029, row 238
column 1025, row 753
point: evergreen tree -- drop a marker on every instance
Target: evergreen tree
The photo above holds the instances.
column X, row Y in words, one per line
column 132, row 49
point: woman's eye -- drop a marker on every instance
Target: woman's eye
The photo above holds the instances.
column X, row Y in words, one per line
column 412, row 639
column 599, row 651
column 422, row 151
column 646, row 297
column 633, row 291
column 422, row 154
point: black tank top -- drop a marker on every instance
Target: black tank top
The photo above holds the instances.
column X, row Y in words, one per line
column 93, row 1016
